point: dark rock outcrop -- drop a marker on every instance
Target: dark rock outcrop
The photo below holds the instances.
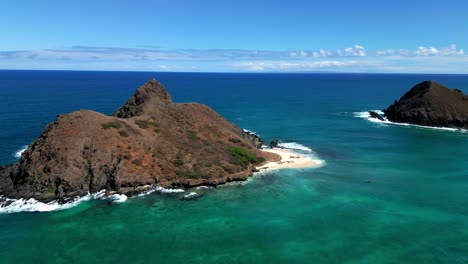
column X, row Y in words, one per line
column 374, row 114
column 148, row 141
column 256, row 140
column 274, row 144
column 431, row 104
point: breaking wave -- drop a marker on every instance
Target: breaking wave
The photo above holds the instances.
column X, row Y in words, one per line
column 295, row 146
column 32, row 205
column 250, row 132
column 8, row 205
column 366, row 115
column 190, row 195
column 20, row 151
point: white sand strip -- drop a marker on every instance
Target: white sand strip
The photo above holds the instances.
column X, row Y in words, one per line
column 290, row 159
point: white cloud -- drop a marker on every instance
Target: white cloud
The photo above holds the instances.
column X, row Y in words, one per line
column 292, row 66
column 388, row 52
column 426, row 51
column 451, row 51
column 164, row 67
column 423, row 51
column 351, row 59
column 355, row 51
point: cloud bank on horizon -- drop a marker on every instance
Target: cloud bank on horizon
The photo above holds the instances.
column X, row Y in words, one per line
column 422, row 59
column 398, row 36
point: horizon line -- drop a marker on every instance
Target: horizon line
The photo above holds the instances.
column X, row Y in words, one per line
column 242, row 72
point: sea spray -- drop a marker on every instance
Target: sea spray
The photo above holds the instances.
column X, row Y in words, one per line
column 20, row 151
column 32, row 205
column 294, row 146
column 8, row 205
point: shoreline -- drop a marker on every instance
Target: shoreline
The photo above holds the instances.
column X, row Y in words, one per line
column 290, row 159
column 284, row 158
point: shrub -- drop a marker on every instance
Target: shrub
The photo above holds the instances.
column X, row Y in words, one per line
column 244, row 156
column 115, row 125
column 123, row 133
column 260, row 160
column 145, row 123
column 127, row 156
column 157, row 130
column 193, row 135
column 178, row 162
column 141, row 124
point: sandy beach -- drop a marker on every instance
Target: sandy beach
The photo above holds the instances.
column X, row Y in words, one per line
column 290, row 159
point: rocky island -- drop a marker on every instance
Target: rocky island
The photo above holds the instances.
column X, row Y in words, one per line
column 149, row 141
column 429, row 104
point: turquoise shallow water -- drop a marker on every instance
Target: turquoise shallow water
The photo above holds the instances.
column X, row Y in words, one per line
column 415, row 210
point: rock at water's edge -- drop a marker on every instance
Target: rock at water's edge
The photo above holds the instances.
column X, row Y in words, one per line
column 374, row 114
column 431, row 104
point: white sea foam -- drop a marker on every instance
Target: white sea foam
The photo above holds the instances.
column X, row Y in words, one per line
column 190, row 195
column 152, row 190
column 32, row 205
column 203, row 187
column 99, row 195
column 165, row 190
column 319, row 162
column 20, row 151
column 250, row 132
column 161, row 190
column 295, row 146
column 366, row 115
column 118, row 198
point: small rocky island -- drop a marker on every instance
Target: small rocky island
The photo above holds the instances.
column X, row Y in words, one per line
column 147, row 142
column 429, row 104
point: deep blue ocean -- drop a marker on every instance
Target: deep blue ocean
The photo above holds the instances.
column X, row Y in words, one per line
column 387, row 194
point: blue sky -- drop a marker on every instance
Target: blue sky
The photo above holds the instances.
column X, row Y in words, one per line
column 235, row 36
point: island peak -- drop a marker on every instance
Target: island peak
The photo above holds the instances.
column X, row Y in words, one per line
column 430, row 104
column 151, row 94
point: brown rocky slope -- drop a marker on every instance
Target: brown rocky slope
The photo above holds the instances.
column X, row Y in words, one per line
column 431, row 104
column 148, row 142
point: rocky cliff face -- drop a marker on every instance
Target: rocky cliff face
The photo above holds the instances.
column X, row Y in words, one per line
column 148, row 141
column 431, row 104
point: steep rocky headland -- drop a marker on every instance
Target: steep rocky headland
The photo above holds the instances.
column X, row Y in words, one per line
column 430, row 104
column 147, row 142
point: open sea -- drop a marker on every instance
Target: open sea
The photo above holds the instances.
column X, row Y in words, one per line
column 387, row 194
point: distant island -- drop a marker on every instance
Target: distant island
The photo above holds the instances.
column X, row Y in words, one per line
column 429, row 104
column 149, row 141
